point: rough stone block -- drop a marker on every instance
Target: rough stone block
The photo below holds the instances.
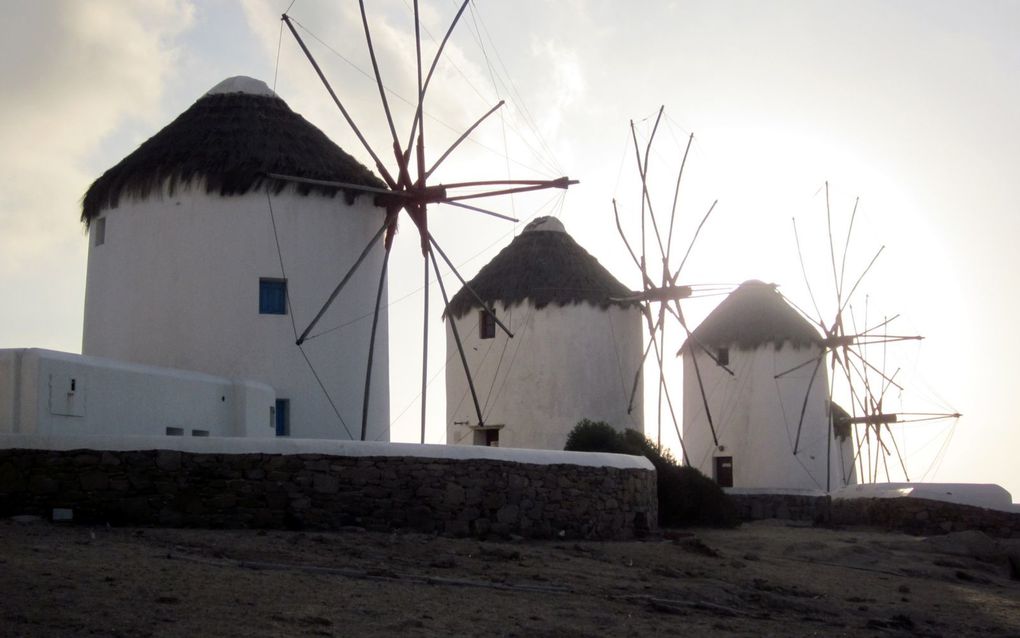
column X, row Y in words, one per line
column 326, row 484
column 222, row 502
column 168, row 460
column 420, row 518
column 93, row 480
column 454, row 495
column 39, row 484
column 456, row 528
column 86, row 459
column 508, row 515
column 493, row 500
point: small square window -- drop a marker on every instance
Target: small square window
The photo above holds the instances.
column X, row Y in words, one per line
column 487, row 324
column 99, row 231
column 722, row 356
column 272, row 296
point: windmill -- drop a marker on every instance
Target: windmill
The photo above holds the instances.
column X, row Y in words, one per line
column 844, row 350
column 410, row 188
column 653, row 255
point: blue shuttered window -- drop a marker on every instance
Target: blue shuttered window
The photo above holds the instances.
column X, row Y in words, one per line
column 272, row 296
column 283, row 417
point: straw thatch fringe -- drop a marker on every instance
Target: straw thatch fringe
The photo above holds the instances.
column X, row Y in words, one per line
column 228, row 142
column 544, row 267
column 752, row 315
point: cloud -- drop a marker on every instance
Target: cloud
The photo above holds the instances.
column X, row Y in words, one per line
column 73, row 73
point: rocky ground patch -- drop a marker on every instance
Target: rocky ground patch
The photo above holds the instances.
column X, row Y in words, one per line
column 764, row 579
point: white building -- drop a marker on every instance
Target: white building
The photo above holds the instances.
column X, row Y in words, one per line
column 199, row 262
column 57, row 394
column 755, row 414
column 574, row 353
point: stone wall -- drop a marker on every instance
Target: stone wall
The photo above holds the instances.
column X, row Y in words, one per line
column 924, row 517
column 919, row 516
column 320, row 491
column 796, row 507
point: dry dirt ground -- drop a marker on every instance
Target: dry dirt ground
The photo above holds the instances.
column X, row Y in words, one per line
column 764, row 579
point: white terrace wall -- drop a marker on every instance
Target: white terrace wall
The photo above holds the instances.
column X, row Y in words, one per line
column 755, row 417
column 564, row 363
column 58, row 394
column 175, row 283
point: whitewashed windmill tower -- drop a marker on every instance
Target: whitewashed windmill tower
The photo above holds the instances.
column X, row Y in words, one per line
column 748, row 436
column 199, row 261
column 574, row 354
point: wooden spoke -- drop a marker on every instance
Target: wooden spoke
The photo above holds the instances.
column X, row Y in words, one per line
column 350, row 121
column 460, row 139
column 456, row 338
column 343, row 282
column 371, row 345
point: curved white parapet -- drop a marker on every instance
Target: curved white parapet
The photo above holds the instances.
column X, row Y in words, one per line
column 987, row 495
column 250, row 445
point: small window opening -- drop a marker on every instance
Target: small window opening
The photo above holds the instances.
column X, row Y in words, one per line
column 200, row 433
column 175, row 431
column 272, row 296
column 99, row 231
column 282, row 420
column 487, row 436
column 73, row 385
column 723, row 356
column 723, row 471
column 487, row 324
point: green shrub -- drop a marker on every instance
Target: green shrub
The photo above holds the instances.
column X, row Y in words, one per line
column 595, row 436
column 686, row 496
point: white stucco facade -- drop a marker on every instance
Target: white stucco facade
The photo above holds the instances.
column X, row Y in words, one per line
column 756, row 415
column 175, row 283
column 564, row 363
column 56, row 394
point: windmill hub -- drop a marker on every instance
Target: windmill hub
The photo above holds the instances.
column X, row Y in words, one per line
column 412, row 197
column 839, row 341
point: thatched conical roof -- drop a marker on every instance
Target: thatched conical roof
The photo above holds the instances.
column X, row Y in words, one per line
column 229, row 139
column 753, row 315
column 545, row 266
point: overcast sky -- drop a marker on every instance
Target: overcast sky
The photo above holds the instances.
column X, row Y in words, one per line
column 910, row 106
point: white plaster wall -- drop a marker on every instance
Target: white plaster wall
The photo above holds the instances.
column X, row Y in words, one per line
column 756, row 415
column 117, row 399
column 176, row 284
column 564, row 363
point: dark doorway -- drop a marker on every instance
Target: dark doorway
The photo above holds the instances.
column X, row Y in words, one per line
column 724, row 471
column 283, row 417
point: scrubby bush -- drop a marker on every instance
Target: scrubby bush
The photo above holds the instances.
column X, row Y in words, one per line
column 686, row 496
column 595, row 436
